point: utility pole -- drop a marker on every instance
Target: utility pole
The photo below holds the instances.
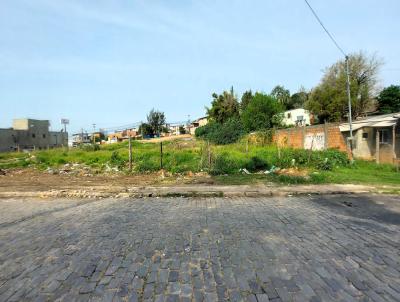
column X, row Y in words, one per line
column 349, row 100
column 347, row 73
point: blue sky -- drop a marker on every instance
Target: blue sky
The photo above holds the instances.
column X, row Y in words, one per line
column 110, row 62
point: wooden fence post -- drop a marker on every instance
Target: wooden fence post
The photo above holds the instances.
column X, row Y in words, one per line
column 161, row 156
column 130, row 153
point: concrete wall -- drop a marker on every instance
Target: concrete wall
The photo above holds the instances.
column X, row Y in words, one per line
column 30, row 134
column 365, row 147
column 312, row 137
column 58, row 139
column 8, row 139
column 20, row 124
column 27, row 124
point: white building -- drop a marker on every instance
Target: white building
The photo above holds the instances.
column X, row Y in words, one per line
column 196, row 124
column 296, row 117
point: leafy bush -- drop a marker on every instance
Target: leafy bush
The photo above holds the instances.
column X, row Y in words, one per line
column 323, row 160
column 221, row 134
column 116, row 159
column 223, row 164
column 263, row 112
column 61, row 161
column 256, row 164
column 147, row 165
column 204, row 131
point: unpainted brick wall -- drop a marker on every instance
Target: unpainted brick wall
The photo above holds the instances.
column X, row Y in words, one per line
column 294, row 137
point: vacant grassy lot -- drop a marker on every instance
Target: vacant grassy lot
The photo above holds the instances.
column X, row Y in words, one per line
column 285, row 165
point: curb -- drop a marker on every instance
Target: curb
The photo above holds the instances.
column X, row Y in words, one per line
column 176, row 193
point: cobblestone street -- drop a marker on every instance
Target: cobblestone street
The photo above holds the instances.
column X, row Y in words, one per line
column 316, row 248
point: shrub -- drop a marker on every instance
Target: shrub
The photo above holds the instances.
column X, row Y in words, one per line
column 206, row 130
column 116, row 159
column 147, row 165
column 263, row 112
column 323, row 160
column 223, row 164
column 61, row 161
column 221, row 134
column 256, row 164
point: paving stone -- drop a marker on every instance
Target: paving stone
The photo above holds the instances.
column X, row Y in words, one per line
column 173, row 276
column 303, row 248
column 262, row 298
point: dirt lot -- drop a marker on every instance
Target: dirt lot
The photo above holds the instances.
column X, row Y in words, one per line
column 35, row 180
column 30, row 183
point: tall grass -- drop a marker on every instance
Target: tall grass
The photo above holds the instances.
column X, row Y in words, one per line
column 178, row 157
column 195, row 156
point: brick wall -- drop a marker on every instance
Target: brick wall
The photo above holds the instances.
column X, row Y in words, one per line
column 316, row 137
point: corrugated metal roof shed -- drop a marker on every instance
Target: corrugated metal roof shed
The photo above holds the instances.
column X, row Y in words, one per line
column 378, row 121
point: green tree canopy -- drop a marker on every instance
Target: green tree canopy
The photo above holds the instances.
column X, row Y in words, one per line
column 298, row 99
column 223, row 107
column 156, row 120
column 263, row 112
column 389, row 99
column 282, row 95
column 146, row 130
column 329, row 99
column 246, row 98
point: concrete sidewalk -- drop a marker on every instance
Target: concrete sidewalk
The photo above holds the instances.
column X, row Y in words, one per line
column 190, row 191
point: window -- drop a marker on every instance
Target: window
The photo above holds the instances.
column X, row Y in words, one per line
column 289, row 115
column 365, row 135
column 44, row 135
column 299, row 117
column 33, row 135
column 384, row 136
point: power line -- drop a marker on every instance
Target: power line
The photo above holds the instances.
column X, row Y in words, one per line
column 325, row 29
column 350, row 139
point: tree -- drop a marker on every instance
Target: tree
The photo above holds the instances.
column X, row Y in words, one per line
column 146, row 130
column 263, row 112
column 298, row 99
column 156, row 120
column 329, row 99
column 282, row 95
column 246, row 99
column 223, row 107
column 389, row 99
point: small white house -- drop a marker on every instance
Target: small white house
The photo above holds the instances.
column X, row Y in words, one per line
column 296, row 117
